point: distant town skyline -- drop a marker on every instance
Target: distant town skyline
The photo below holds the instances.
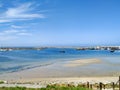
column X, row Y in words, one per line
column 59, row 22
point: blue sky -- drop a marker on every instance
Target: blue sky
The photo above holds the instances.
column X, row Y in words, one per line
column 59, row 22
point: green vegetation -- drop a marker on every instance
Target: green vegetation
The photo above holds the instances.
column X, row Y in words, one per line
column 49, row 87
column 1, row 82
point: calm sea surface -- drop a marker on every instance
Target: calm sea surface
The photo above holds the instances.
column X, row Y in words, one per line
column 11, row 61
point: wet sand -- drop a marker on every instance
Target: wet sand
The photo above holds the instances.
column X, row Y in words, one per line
column 68, row 71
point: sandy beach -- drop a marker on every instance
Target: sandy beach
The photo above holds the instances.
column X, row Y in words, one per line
column 43, row 82
column 68, row 71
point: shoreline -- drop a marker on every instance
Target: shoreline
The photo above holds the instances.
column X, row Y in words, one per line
column 80, row 70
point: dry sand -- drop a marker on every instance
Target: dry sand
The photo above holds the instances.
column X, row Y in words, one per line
column 82, row 62
column 76, row 80
column 43, row 82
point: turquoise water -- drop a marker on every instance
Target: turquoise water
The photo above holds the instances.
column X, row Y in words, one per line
column 11, row 61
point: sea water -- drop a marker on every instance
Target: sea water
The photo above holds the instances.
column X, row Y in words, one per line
column 12, row 61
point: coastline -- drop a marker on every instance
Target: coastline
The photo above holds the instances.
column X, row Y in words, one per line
column 80, row 71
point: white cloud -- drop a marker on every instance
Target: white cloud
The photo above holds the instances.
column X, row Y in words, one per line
column 5, row 38
column 10, row 31
column 16, row 27
column 13, row 31
column 4, row 20
column 22, row 12
column 24, row 34
column 13, row 34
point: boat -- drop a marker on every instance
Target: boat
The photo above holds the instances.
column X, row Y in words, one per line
column 112, row 51
column 62, row 51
